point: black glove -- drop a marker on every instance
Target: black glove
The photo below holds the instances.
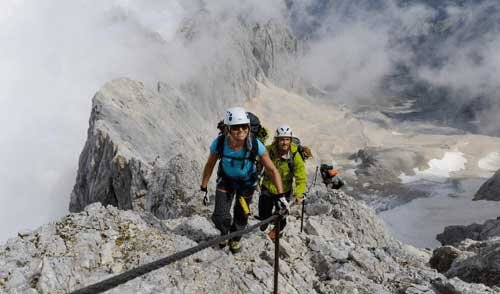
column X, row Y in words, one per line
column 205, row 196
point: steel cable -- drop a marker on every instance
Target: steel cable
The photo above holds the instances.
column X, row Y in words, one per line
column 149, row 267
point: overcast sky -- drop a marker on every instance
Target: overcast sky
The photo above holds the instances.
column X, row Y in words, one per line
column 56, row 54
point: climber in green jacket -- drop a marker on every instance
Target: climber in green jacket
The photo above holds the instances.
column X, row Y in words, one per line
column 290, row 164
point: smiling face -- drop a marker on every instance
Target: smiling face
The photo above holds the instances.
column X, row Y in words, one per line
column 284, row 144
column 239, row 133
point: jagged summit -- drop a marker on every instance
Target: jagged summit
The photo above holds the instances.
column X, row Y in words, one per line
column 233, row 56
column 137, row 136
column 142, row 150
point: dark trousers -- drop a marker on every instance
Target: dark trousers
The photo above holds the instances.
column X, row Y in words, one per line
column 224, row 196
column 268, row 201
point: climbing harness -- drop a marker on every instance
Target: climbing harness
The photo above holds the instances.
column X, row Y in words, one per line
column 244, row 206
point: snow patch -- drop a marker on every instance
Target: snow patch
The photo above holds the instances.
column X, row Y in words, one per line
column 490, row 162
column 439, row 169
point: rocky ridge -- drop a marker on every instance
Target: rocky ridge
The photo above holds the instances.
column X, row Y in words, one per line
column 453, row 235
column 142, row 151
column 139, row 154
column 490, row 189
column 471, row 253
column 344, row 249
column 235, row 55
column 135, row 158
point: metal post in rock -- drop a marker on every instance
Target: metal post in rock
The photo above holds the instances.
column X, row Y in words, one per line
column 277, row 253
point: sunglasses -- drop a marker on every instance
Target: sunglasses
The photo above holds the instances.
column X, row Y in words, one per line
column 244, row 127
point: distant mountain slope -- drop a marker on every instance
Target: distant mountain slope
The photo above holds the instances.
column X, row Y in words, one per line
column 440, row 53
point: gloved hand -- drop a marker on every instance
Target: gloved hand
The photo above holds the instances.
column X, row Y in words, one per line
column 283, row 204
column 204, row 190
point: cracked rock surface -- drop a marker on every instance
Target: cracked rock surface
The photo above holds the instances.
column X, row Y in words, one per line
column 342, row 250
column 472, row 253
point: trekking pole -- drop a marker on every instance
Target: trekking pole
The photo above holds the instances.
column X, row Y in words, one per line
column 302, row 216
column 304, row 200
column 277, row 252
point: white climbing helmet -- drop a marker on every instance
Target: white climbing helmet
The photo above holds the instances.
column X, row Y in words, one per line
column 236, row 116
column 283, row 131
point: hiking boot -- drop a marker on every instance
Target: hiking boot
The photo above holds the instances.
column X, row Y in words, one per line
column 223, row 244
column 263, row 227
column 234, row 246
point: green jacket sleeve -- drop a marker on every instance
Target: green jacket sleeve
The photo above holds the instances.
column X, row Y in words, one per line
column 300, row 175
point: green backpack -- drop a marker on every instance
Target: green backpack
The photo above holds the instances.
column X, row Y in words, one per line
column 303, row 151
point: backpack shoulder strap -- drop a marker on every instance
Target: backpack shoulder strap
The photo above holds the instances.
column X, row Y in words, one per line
column 255, row 150
column 300, row 150
column 291, row 165
column 220, row 145
column 291, row 160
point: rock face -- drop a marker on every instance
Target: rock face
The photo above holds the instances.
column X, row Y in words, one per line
column 443, row 257
column 453, row 235
column 246, row 53
column 490, row 190
column 144, row 147
column 140, row 151
column 276, row 48
column 471, row 261
column 344, row 249
column 473, row 255
column 479, row 262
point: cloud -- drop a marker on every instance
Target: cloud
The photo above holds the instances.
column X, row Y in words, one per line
column 56, row 54
column 350, row 64
column 473, row 62
column 358, row 45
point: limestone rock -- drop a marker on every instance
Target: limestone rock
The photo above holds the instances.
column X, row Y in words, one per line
column 453, row 235
column 475, row 259
column 351, row 254
column 478, row 263
column 142, row 150
column 139, row 154
column 443, row 257
column 248, row 53
column 490, row 190
column 457, row 286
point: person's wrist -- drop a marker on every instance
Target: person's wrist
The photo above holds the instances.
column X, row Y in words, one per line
column 203, row 189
